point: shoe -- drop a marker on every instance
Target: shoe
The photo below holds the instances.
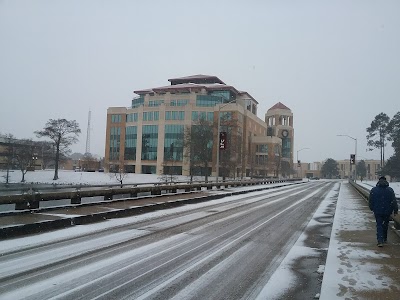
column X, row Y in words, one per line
column 385, row 241
column 380, row 244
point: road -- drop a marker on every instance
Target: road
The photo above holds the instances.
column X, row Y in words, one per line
column 222, row 249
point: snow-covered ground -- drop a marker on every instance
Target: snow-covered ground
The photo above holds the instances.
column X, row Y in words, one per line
column 84, row 178
column 370, row 184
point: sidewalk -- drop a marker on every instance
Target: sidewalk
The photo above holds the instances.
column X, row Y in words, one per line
column 356, row 268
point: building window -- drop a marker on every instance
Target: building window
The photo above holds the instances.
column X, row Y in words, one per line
column 132, row 117
column 149, row 142
column 130, row 142
column 208, row 100
column 153, row 103
column 138, row 102
column 179, row 102
column 148, row 169
column 173, row 170
column 173, row 142
column 261, row 160
column 116, row 118
column 262, row 148
column 151, row 115
column 130, row 169
column 227, row 95
column 115, row 139
column 286, row 147
column 174, row 115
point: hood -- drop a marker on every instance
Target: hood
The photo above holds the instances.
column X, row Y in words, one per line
column 382, row 183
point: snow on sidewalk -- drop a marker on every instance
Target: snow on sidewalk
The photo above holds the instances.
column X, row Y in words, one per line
column 356, row 268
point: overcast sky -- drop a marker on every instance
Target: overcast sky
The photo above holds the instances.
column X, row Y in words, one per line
column 335, row 64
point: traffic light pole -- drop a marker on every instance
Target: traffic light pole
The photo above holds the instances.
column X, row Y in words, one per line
column 355, row 158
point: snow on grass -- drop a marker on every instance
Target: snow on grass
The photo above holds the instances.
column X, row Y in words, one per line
column 84, row 178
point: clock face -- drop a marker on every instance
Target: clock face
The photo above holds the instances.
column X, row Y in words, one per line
column 285, row 133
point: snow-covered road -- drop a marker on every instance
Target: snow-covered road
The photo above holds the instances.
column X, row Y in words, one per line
column 221, row 249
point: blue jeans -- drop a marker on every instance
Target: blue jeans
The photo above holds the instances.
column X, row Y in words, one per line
column 382, row 225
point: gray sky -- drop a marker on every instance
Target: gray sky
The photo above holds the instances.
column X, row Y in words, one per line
column 335, row 64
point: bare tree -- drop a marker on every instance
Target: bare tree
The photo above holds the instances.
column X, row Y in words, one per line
column 25, row 156
column 231, row 156
column 46, row 153
column 63, row 133
column 9, row 154
column 118, row 171
column 198, row 140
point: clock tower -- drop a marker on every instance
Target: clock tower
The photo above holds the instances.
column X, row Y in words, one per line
column 279, row 119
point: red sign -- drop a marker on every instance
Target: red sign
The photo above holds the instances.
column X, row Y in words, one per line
column 223, row 143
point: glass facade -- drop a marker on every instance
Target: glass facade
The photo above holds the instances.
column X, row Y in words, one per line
column 132, row 117
column 130, row 142
column 151, row 116
column 227, row 95
column 174, row 115
column 149, row 142
column 154, row 103
column 115, row 140
column 286, row 143
column 137, row 102
column 116, row 118
column 173, row 142
column 208, row 100
column 180, row 102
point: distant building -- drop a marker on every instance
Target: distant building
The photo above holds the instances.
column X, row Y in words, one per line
column 145, row 137
column 309, row 170
column 8, row 148
column 373, row 167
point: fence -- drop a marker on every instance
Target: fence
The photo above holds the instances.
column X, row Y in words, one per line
column 31, row 199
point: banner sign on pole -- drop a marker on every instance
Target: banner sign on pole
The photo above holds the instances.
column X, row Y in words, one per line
column 223, row 144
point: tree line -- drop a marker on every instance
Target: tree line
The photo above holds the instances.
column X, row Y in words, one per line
column 23, row 153
column 382, row 130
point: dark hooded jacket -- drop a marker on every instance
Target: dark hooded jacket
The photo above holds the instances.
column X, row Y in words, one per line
column 382, row 199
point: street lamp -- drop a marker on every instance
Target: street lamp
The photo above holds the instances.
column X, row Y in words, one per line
column 297, row 158
column 355, row 164
column 218, row 134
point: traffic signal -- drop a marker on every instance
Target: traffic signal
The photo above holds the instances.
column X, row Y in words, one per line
column 352, row 159
column 298, row 163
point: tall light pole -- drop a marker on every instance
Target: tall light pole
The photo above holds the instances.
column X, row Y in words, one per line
column 297, row 158
column 355, row 159
column 218, row 133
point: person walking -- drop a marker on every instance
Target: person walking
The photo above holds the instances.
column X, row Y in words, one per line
column 382, row 201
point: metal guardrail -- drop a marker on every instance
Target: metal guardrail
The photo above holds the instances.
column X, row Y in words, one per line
column 365, row 193
column 31, row 199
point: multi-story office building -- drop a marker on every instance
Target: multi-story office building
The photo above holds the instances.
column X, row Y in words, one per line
column 148, row 136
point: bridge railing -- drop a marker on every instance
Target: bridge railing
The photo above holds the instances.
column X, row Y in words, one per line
column 365, row 193
column 31, row 199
